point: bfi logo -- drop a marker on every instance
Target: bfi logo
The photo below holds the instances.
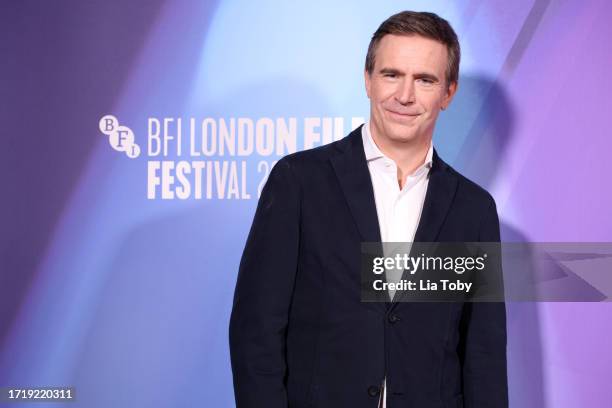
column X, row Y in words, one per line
column 121, row 138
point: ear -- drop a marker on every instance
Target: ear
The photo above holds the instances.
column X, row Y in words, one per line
column 450, row 93
column 368, row 82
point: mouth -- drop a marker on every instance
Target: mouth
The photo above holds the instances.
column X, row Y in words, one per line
column 403, row 116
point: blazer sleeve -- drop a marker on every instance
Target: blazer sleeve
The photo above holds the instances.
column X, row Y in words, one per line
column 483, row 346
column 266, row 276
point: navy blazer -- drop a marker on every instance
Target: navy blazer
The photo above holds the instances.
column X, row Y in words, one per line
column 299, row 334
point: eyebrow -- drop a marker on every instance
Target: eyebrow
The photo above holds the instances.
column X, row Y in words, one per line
column 418, row 75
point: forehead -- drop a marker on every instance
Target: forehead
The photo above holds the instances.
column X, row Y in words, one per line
column 411, row 52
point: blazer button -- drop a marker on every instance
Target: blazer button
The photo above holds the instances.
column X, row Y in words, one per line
column 373, row 391
column 394, row 319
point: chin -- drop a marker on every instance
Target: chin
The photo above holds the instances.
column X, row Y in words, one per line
column 402, row 133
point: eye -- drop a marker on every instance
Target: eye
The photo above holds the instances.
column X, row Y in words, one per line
column 425, row 81
column 389, row 75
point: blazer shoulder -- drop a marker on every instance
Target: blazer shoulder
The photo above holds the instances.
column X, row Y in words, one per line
column 306, row 159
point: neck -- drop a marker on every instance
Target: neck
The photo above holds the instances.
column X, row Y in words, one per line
column 408, row 156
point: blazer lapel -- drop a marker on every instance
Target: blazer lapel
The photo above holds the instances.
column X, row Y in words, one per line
column 352, row 171
column 438, row 199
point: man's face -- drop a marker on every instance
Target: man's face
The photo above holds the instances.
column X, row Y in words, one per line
column 407, row 88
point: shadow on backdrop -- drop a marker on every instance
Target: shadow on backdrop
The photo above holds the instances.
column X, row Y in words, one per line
column 475, row 132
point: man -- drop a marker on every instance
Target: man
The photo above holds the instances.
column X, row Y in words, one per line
column 299, row 334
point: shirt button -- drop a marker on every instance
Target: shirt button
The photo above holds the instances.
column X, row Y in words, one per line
column 373, row 391
column 394, row 319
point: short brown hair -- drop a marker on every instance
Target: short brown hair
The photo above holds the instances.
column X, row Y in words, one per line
column 428, row 25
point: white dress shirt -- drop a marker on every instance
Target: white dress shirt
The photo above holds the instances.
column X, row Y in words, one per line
column 398, row 210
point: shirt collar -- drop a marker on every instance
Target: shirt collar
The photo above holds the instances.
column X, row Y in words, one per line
column 373, row 152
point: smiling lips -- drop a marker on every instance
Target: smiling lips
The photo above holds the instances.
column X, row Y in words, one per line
column 405, row 115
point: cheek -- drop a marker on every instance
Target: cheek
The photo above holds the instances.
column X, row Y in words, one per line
column 432, row 117
column 382, row 92
column 432, row 102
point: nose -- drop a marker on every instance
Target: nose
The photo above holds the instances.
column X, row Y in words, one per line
column 405, row 92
